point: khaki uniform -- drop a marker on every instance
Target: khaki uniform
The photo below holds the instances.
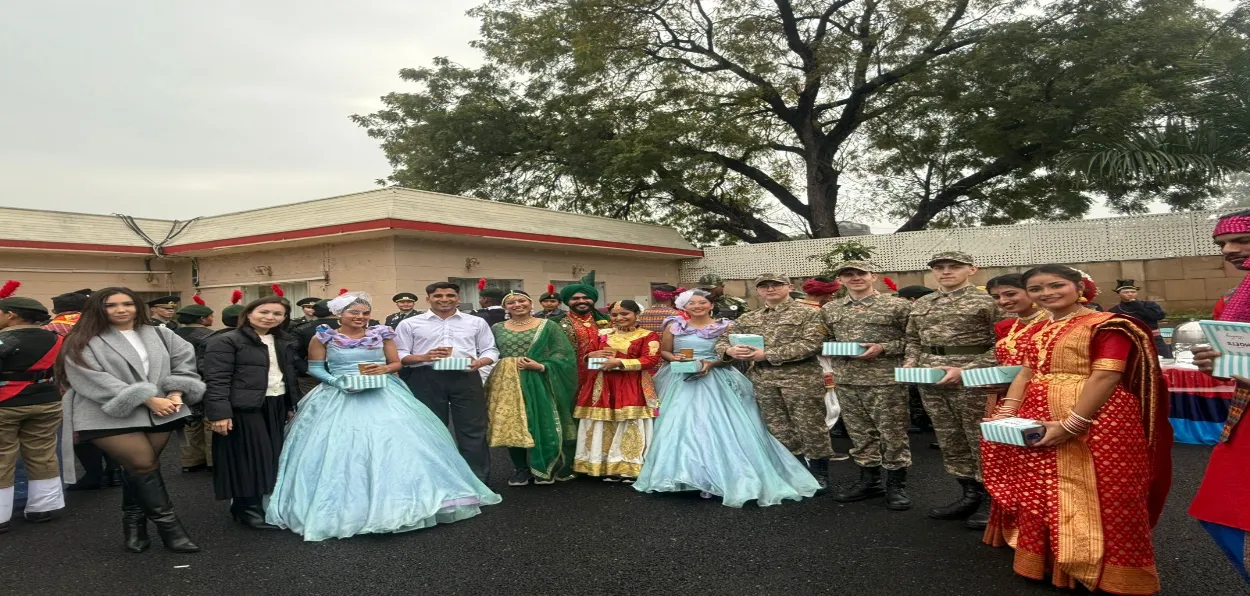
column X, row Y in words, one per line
column 789, row 384
column 874, row 406
column 954, row 329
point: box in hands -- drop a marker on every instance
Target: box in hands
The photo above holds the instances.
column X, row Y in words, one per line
column 994, row 375
column 686, row 366
column 359, row 382
column 918, row 375
column 1020, row 432
column 595, row 363
column 842, row 348
column 454, row 363
column 747, row 339
column 1232, row 341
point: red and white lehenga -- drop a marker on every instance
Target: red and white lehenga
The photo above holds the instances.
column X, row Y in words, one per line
column 615, row 408
column 1083, row 511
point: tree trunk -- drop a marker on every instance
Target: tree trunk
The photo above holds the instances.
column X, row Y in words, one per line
column 822, row 197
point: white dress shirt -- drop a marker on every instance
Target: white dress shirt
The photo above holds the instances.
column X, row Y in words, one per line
column 468, row 336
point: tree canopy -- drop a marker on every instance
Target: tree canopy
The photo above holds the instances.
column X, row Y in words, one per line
column 756, row 121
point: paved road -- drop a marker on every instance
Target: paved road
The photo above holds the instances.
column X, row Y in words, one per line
column 583, row 537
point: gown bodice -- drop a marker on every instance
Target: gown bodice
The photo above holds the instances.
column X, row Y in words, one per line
column 704, row 349
column 344, row 361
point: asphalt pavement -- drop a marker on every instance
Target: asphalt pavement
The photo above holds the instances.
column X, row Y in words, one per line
column 583, row 537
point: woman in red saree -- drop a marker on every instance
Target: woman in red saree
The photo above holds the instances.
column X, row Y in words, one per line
column 1081, row 504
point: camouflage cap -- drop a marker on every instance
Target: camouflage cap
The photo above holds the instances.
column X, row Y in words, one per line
column 711, row 280
column 866, row 266
column 771, row 277
column 952, row 255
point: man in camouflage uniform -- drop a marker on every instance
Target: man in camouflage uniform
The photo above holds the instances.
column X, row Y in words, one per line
column 726, row 307
column 874, row 406
column 788, row 380
column 953, row 329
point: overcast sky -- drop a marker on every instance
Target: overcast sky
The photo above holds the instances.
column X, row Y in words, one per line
column 155, row 108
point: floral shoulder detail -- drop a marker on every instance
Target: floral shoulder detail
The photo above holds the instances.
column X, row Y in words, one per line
column 681, row 326
column 374, row 336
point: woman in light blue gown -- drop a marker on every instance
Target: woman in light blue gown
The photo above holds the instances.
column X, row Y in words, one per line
column 710, row 436
column 367, row 461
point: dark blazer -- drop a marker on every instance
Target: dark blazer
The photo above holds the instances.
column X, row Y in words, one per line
column 236, row 372
column 492, row 315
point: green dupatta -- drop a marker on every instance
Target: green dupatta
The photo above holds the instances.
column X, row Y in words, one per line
column 534, row 409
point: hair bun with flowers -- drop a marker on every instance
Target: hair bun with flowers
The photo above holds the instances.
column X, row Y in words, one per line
column 1091, row 288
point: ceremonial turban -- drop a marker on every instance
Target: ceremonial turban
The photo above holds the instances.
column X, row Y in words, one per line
column 584, row 286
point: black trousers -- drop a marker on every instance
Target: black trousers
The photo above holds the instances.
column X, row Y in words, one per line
column 459, row 399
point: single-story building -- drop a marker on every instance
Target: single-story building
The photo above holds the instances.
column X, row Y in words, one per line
column 382, row 241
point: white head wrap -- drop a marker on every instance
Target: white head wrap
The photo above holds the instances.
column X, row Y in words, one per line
column 683, row 298
column 340, row 303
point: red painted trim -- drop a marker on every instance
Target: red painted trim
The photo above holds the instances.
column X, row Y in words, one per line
column 85, row 247
column 401, row 224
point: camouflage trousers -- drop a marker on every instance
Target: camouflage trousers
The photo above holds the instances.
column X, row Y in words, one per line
column 957, row 413
column 796, row 417
column 876, row 419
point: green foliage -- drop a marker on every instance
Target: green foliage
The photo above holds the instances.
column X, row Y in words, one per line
column 847, row 250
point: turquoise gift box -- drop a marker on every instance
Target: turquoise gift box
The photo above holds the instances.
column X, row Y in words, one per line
column 1020, row 432
column 843, row 348
column 686, row 366
column 747, row 339
column 1232, row 341
column 595, row 363
column 358, row 382
column 994, row 375
column 918, row 375
column 453, row 363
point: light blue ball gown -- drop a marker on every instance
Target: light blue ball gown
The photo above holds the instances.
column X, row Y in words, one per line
column 369, row 462
column 711, row 437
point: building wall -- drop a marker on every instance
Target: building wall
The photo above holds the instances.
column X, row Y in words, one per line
column 46, row 274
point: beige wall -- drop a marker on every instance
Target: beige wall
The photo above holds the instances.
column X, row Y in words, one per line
column 46, row 274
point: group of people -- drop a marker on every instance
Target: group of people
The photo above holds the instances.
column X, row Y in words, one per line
column 333, row 425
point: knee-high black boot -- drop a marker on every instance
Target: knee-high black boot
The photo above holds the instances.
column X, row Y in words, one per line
column 92, row 460
column 134, row 523
column 154, row 499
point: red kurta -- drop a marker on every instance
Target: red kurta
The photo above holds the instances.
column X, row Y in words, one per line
column 622, row 394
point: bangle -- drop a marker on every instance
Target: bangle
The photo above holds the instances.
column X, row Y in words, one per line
column 1076, row 425
column 1080, row 417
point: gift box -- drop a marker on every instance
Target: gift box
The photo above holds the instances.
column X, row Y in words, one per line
column 595, row 363
column 747, row 339
column 1020, row 432
column 1232, row 341
column 842, row 348
column 1166, row 331
column 918, row 375
column 994, row 375
column 358, row 382
column 453, row 363
column 686, row 366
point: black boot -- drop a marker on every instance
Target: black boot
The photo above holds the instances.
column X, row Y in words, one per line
column 965, row 506
column 92, row 460
column 868, row 486
column 980, row 519
column 134, row 523
column 896, row 498
column 820, row 469
column 113, row 475
column 251, row 514
column 154, row 500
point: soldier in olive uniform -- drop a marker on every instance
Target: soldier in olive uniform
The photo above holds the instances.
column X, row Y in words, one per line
column 953, row 329
column 789, row 385
column 162, row 311
column 406, row 302
column 874, row 406
column 194, row 321
column 306, row 311
column 727, row 307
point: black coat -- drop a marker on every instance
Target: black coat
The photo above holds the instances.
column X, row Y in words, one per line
column 236, row 372
column 303, row 335
column 492, row 315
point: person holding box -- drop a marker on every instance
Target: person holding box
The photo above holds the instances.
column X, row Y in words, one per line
column 952, row 329
column 1081, row 503
column 874, row 407
column 788, row 382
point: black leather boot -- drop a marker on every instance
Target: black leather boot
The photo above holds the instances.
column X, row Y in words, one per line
column 980, row 519
column 251, row 514
column 134, row 523
column 965, row 506
column 896, row 498
column 820, row 469
column 868, row 486
column 154, row 500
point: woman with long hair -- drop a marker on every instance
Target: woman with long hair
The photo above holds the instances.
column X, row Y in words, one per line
column 252, row 389
column 710, row 436
column 363, row 456
column 1081, row 503
column 128, row 385
column 530, row 393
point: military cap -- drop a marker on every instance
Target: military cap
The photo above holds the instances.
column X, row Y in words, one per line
column 404, row 296
column 165, row 301
column 952, row 255
column 195, row 310
column 13, row 302
column 771, row 277
column 711, row 280
column 1125, row 284
column 911, row 292
column 865, row 266
column 307, row 301
column 491, row 293
column 72, row 301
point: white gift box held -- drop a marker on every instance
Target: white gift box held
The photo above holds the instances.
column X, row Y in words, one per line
column 687, row 366
column 747, row 339
column 1232, row 341
column 358, row 382
column 842, row 348
column 994, row 375
column 595, row 363
column 1020, row 432
column 454, row 363
column 918, row 375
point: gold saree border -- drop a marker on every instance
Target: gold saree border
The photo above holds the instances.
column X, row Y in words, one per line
column 508, row 423
column 617, row 415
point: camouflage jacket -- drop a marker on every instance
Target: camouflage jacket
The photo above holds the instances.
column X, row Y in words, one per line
column 877, row 319
column 730, row 307
column 792, row 334
column 963, row 318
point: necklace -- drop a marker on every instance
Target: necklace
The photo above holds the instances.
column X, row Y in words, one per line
column 1009, row 342
column 1043, row 340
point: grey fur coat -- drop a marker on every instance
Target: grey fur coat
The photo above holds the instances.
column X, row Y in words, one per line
column 108, row 388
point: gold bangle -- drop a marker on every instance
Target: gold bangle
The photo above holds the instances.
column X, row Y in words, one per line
column 1080, row 417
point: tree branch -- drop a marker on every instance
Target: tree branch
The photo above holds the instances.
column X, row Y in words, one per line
column 783, row 194
column 949, row 196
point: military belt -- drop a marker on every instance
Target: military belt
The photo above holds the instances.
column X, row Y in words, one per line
column 767, row 364
column 957, row 350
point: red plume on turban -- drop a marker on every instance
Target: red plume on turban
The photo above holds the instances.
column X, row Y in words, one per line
column 889, row 283
column 236, row 296
column 277, row 290
column 342, row 291
column 198, row 300
column 481, row 284
column 815, row 287
column 551, row 288
column 9, row 288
